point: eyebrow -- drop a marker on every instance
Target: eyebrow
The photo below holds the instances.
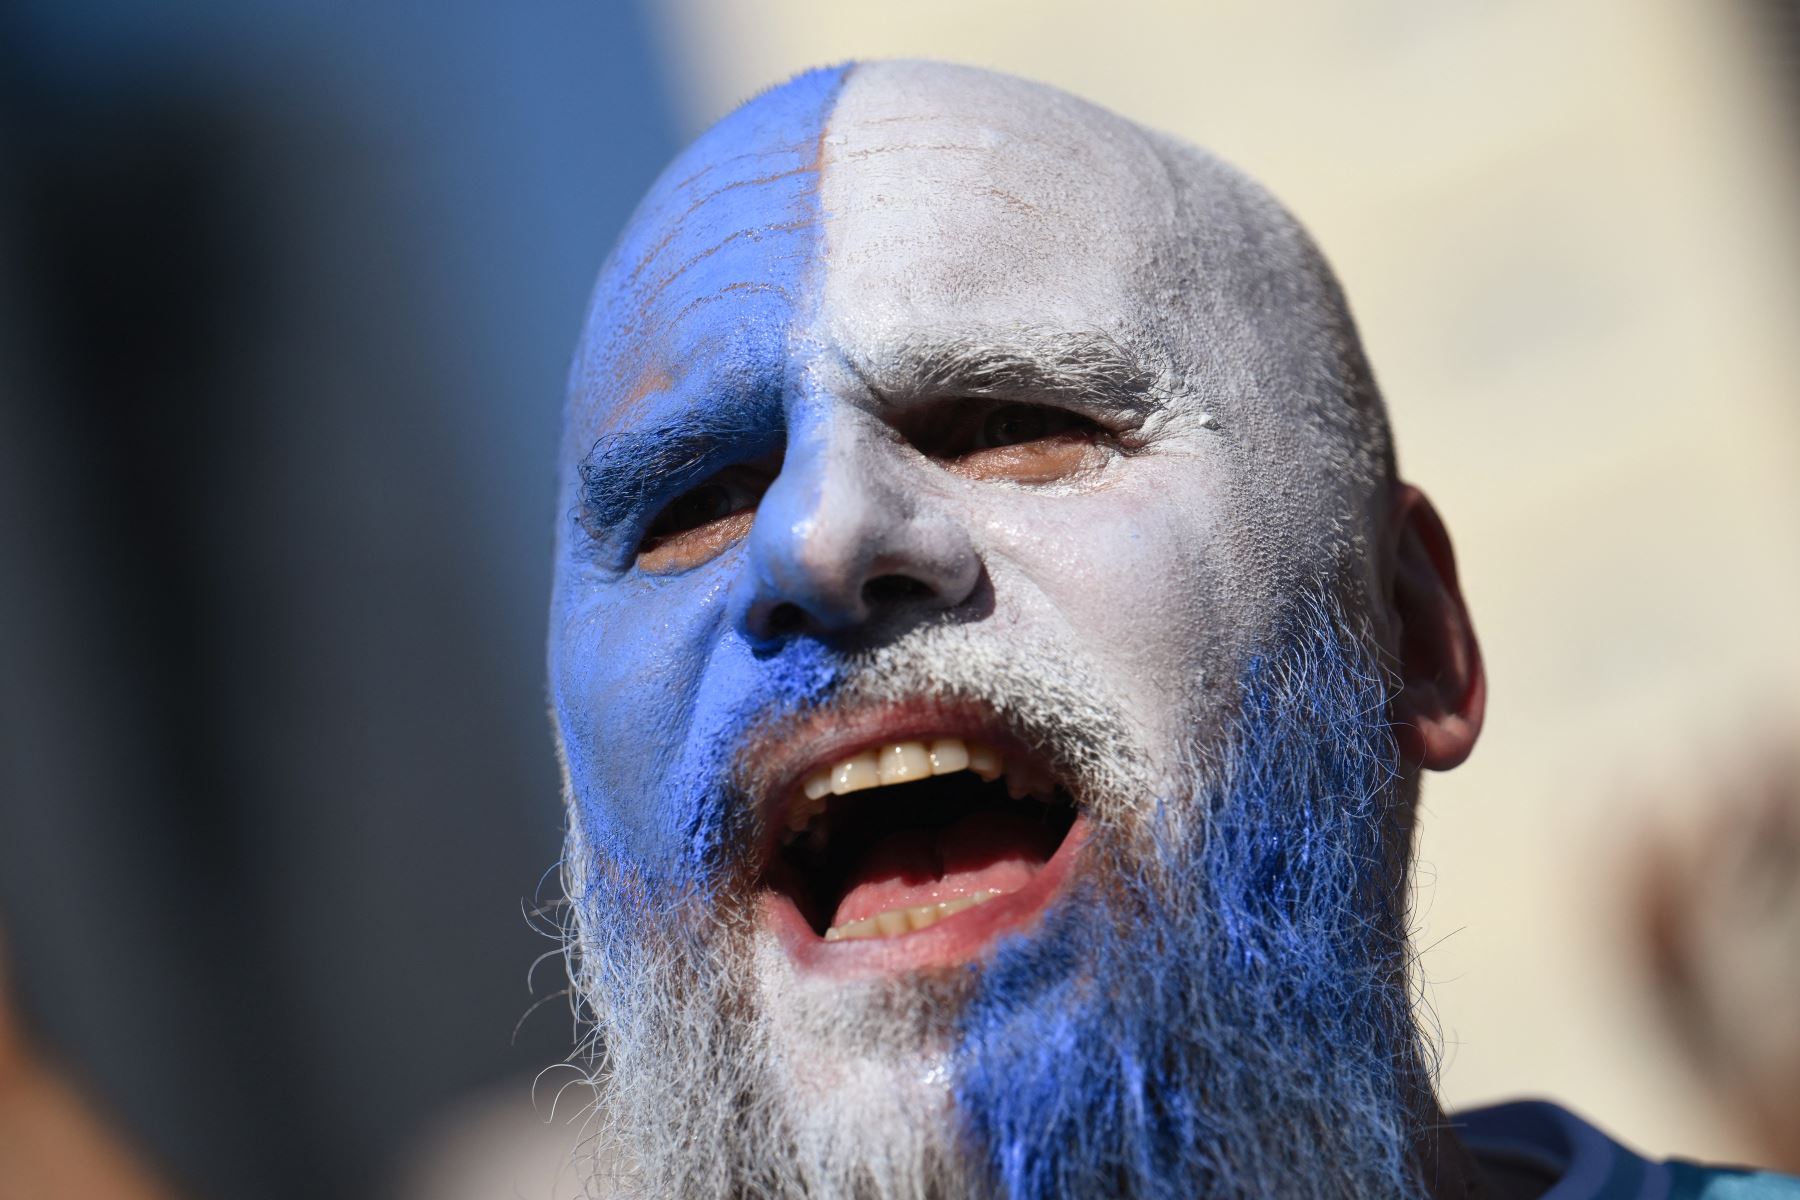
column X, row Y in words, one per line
column 623, row 469
column 1025, row 362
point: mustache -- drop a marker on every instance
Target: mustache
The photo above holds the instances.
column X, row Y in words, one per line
column 1052, row 700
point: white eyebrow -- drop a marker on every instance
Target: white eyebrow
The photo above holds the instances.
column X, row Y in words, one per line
column 1023, row 362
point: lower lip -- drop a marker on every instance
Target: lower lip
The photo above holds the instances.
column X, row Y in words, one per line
column 957, row 939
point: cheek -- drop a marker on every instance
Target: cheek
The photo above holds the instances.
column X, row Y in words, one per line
column 625, row 667
column 1146, row 573
column 653, row 699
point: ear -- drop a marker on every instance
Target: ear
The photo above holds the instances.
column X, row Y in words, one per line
column 1443, row 690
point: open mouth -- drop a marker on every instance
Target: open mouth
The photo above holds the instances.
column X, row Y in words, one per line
column 934, row 843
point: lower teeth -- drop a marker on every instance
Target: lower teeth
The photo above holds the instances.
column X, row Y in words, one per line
column 905, row 920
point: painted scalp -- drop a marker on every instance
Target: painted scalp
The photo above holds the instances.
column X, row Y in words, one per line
column 1246, row 309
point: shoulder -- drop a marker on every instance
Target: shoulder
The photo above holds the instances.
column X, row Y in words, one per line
column 1695, row 1182
column 1585, row 1164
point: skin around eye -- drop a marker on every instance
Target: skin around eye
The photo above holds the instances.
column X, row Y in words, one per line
column 1028, row 443
column 1016, row 443
column 702, row 522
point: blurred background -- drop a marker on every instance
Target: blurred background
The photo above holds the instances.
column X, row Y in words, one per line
column 288, row 295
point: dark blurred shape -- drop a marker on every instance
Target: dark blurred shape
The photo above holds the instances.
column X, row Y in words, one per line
column 1720, row 918
column 289, row 292
column 1775, row 28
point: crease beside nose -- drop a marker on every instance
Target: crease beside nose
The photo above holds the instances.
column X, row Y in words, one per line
column 834, row 548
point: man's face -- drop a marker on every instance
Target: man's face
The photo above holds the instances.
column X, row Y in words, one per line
column 941, row 454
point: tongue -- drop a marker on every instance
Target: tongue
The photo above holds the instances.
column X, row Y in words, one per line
column 994, row 852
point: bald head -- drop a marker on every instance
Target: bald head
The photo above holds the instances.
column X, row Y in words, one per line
column 927, row 418
column 863, row 218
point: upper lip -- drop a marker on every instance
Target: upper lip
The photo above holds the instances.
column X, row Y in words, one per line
column 775, row 762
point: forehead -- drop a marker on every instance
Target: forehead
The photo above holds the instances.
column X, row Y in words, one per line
column 957, row 196
column 855, row 209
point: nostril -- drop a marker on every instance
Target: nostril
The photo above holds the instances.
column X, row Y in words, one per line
column 890, row 589
column 785, row 619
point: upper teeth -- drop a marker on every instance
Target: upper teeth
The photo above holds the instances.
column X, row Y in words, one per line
column 903, row 762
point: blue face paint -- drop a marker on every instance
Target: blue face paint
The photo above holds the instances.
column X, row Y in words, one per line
column 682, row 370
column 1247, row 1021
column 1205, row 1012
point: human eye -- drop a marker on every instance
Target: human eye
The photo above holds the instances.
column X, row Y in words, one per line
column 703, row 521
column 1017, row 424
column 1025, row 443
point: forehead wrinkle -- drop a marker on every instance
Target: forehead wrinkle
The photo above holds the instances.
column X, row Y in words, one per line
column 672, row 276
column 726, row 292
column 663, row 349
column 647, row 284
column 719, row 162
column 907, row 148
column 711, row 271
column 758, row 152
column 692, row 222
column 957, row 197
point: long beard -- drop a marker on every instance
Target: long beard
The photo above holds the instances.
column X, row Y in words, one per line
column 1217, row 1007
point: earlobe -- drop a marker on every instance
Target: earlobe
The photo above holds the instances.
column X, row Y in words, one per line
column 1442, row 697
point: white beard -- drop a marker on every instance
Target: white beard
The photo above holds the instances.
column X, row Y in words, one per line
column 725, row 1072
column 728, row 1072
column 733, row 1074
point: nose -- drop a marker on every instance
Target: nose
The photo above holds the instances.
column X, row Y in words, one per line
column 845, row 537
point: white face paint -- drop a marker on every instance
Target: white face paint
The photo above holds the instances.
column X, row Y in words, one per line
column 977, row 241
column 979, row 216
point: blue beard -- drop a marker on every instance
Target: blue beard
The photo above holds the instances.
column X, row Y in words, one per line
column 1219, row 1008
column 1222, row 1009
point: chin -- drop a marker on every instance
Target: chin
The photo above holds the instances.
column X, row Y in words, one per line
column 1177, row 984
